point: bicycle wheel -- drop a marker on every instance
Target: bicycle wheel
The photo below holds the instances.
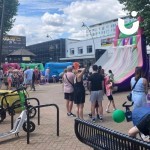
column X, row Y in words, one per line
column 32, row 111
column 17, row 106
column 2, row 114
column 31, row 126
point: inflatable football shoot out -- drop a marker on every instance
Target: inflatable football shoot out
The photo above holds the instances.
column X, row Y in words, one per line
column 128, row 53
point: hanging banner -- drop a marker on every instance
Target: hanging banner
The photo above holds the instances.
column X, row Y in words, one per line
column 107, row 42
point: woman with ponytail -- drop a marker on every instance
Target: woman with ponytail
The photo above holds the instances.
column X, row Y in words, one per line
column 140, row 89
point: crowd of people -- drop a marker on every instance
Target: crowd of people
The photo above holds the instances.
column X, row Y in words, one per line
column 15, row 77
column 100, row 83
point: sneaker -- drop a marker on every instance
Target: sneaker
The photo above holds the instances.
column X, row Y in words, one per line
column 90, row 115
column 107, row 111
column 98, row 116
column 68, row 114
column 72, row 115
column 101, row 118
column 93, row 120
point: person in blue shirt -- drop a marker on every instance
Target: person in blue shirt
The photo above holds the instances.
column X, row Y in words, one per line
column 28, row 74
column 141, row 121
column 141, row 88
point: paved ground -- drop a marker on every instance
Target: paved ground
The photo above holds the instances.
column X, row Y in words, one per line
column 44, row 137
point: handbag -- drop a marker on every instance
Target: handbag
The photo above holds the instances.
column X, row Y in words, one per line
column 129, row 97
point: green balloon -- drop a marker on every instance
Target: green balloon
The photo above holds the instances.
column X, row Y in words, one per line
column 118, row 116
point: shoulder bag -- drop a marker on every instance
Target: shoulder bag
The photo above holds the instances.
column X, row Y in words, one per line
column 69, row 81
column 129, row 97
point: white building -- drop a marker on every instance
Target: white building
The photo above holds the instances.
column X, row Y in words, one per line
column 84, row 51
column 105, row 29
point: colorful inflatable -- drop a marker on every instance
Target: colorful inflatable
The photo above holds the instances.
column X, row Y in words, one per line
column 32, row 65
column 10, row 65
column 57, row 68
column 128, row 53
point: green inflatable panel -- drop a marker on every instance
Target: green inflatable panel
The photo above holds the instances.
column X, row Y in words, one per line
column 134, row 41
column 32, row 65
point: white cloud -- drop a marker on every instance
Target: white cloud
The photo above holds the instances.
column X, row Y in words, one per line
column 93, row 11
column 53, row 19
column 35, row 28
column 78, row 35
column 19, row 29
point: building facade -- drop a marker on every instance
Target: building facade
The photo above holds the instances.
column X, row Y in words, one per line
column 50, row 51
column 84, row 51
column 105, row 29
column 12, row 43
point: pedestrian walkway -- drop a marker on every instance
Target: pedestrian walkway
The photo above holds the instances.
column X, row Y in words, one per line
column 44, row 137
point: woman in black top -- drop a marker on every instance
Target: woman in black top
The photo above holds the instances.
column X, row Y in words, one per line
column 79, row 92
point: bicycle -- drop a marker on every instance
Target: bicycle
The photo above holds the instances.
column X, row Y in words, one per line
column 22, row 96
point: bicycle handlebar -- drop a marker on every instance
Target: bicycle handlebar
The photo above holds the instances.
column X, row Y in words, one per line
column 19, row 89
column 125, row 105
column 3, row 94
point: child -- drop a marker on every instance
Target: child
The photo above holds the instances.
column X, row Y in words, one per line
column 96, row 109
column 109, row 87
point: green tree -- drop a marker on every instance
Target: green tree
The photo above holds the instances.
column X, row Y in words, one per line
column 10, row 11
column 143, row 9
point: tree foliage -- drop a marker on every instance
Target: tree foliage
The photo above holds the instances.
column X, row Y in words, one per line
column 10, row 11
column 143, row 9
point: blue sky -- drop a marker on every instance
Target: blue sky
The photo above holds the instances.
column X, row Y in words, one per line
column 61, row 18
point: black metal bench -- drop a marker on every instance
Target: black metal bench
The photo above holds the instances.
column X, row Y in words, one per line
column 101, row 138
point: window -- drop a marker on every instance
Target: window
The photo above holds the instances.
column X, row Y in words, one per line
column 72, row 51
column 89, row 49
column 80, row 50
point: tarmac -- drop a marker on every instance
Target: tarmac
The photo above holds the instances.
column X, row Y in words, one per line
column 44, row 137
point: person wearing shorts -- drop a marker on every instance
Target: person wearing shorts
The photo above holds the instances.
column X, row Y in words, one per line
column 97, row 86
column 141, row 121
column 68, row 80
column 109, row 87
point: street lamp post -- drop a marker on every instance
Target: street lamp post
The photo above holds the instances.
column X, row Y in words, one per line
column 48, row 36
column 84, row 25
column 1, row 29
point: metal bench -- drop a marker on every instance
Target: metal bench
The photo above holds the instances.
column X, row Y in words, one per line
column 101, row 138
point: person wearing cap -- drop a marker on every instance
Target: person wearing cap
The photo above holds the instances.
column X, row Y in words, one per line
column 68, row 80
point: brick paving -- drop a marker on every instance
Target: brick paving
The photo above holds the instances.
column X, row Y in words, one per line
column 44, row 137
